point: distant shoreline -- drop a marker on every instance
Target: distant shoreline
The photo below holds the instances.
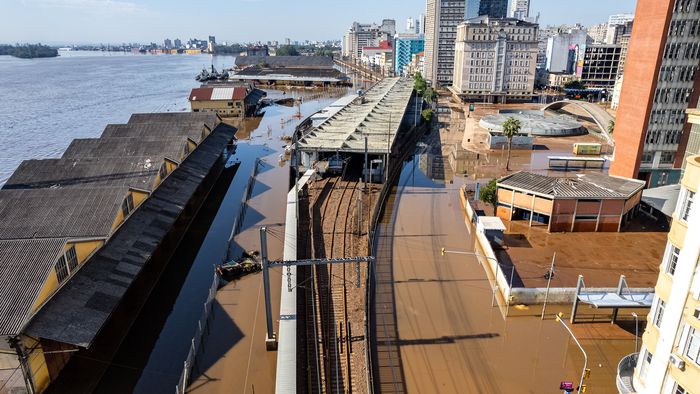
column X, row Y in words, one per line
column 31, row 51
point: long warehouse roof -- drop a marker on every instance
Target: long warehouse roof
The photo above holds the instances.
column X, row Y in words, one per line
column 377, row 116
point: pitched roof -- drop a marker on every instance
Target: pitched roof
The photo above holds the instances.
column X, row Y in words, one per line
column 139, row 172
column 172, row 148
column 286, row 61
column 80, row 309
column 592, row 185
column 24, row 267
column 59, row 213
column 211, row 119
column 192, row 130
column 218, row 93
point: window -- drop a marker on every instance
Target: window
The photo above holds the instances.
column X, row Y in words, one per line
column 163, row 172
column 678, row 389
column 61, row 269
column 647, row 157
column 687, row 204
column 72, row 258
column 667, row 157
column 659, row 313
column 646, row 361
column 128, row 205
column 692, row 349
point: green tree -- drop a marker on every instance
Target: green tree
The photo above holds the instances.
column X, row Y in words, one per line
column 430, row 94
column 287, row 50
column 574, row 84
column 611, row 126
column 419, row 83
column 427, row 114
column 511, row 127
column 487, row 194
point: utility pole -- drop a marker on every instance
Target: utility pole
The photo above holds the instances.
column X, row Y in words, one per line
column 270, row 340
column 549, row 281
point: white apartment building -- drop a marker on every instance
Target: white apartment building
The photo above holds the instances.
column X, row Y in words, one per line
column 495, row 60
column 669, row 360
column 519, row 9
column 441, row 20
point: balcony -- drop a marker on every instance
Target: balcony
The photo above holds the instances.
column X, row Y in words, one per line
column 625, row 373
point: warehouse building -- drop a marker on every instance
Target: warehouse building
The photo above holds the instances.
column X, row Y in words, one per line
column 227, row 102
column 588, row 202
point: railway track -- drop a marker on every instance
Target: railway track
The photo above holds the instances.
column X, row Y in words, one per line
column 333, row 321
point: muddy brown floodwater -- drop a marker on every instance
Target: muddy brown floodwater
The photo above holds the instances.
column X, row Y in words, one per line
column 451, row 339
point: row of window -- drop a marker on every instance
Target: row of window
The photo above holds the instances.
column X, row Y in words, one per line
column 686, row 51
column 667, row 116
column 665, row 137
column 66, row 264
column 686, row 6
column 680, row 74
column 672, row 95
column 666, row 157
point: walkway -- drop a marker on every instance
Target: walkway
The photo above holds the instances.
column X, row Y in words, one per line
column 600, row 116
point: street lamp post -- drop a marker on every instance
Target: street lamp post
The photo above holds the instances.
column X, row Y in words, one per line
column 636, row 332
column 558, row 318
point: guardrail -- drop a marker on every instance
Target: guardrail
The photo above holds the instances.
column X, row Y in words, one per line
column 197, row 339
column 238, row 222
column 626, row 366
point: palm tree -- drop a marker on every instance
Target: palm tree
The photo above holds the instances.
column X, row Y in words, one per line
column 511, row 127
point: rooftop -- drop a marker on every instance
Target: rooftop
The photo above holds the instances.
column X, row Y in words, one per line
column 138, row 172
column 172, row 148
column 377, row 116
column 59, row 213
column 285, row 61
column 255, row 72
column 218, row 94
column 663, row 198
column 25, row 265
column 193, row 130
column 211, row 119
column 591, row 185
column 79, row 310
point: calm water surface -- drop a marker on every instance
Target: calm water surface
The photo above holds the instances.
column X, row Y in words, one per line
column 45, row 103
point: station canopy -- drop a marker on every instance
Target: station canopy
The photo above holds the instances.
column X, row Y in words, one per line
column 377, row 116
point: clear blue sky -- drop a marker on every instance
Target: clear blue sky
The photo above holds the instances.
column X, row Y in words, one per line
column 116, row 21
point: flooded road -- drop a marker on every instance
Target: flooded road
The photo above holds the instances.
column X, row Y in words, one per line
column 451, row 339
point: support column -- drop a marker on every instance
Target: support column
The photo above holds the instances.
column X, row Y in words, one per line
column 620, row 284
column 579, row 284
column 270, row 340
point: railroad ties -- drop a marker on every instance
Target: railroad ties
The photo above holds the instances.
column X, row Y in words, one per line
column 335, row 322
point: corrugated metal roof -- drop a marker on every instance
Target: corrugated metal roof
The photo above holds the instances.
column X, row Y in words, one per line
column 211, row 119
column 218, row 93
column 222, row 93
column 59, row 213
column 24, row 267
column 80, row 309
column 192, row 130
column 138, row 172
column 201, row 94
column 285, row 61
column 172, row 148
column 583, row 186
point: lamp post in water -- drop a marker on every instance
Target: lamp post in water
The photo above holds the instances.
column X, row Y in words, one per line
column 581, row 388
column 636, row 332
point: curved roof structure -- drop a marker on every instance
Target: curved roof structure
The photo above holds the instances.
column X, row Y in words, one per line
column 600, row 116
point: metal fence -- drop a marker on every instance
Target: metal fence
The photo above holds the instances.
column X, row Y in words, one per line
column 238, row 222
column 196, row 341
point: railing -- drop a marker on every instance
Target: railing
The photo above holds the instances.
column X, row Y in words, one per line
column 625, row 373
column 197, row 339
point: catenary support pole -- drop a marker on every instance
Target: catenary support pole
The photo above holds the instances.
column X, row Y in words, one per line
column 579, row 283
column 549, row 282
column 270, row 340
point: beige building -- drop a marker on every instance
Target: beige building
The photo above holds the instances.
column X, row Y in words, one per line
column 227, row 102
column 495, row 60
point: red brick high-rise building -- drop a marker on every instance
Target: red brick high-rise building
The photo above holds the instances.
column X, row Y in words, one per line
column 660, row 83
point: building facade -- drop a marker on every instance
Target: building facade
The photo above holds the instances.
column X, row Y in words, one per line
column 519, row 9
column 441, row 20
column 693, row 147
column 598, row 33
column 492, row 8
column 405, row 46
column 566, row 50
column 660, row 84
column 588, row 203
column 600, row 66
column 495, row 60
column 669, row 360
column 362, row 35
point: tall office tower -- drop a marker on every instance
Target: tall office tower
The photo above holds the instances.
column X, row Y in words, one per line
column 442, row 18
column 660, row 84
column 410, row 25
column 519, row 9
column 669, row 359
column 615, row 32
column 362, row 35
column 495, row 60
column 492, row 8
column 566, row 50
